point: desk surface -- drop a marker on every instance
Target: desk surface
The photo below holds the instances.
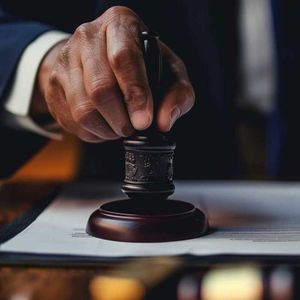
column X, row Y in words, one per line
column 38, row 283
column 47, row 282
column 43, row 282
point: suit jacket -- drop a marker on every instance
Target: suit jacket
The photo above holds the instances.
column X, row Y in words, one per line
column 284, row 125
column 204, row 34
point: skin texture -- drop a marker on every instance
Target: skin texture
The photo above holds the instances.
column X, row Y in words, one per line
column 95, row 85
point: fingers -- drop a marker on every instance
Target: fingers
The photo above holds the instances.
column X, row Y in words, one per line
column 102, row 88
column 99, row 88
column 126, row 60
column 59, row 109
column 83, row 110
column 69, row 104
column 87, row 106
column 179, row 98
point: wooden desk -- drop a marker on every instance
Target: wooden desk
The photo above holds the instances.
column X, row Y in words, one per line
column 63, row 283
column 57, row 283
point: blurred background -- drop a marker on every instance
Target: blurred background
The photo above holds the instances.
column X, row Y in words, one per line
column 245, row 33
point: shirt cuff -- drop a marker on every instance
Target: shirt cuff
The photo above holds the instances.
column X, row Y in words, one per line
column 18, row 100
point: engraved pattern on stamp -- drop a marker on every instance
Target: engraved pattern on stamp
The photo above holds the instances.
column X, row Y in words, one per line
column 130, row 165
column 148, row 167
column 170, row 167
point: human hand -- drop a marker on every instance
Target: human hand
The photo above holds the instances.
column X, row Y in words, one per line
column 95, row 84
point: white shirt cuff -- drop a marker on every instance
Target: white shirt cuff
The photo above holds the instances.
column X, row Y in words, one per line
column 18, row 100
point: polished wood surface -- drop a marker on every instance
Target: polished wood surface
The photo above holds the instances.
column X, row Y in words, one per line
column 160, row 221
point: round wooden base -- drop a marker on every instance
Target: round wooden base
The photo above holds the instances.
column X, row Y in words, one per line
column 135, row 221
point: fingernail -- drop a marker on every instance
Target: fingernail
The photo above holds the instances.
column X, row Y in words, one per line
column 175, row 113
column 140, row 119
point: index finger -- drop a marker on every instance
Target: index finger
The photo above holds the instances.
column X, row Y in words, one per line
column 126, row 60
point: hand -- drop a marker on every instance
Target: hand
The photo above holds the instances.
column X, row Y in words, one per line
column 95, row 83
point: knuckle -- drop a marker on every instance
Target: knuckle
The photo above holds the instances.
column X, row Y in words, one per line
column 54, row 78
column 119, row 10
column 121, row 16
column 136, row 97
column 99, row 90
column 124, row 57
column 63, row 58
column 81, row 113
column 81, row 31
column 136, row 94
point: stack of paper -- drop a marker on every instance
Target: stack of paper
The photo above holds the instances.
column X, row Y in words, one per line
column 245, row 218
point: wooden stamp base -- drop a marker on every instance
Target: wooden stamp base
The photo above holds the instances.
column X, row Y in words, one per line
column 135, row 221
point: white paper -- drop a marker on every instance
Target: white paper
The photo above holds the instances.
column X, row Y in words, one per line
column 246, row 217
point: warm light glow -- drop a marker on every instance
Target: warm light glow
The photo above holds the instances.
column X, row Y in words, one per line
column 57, row 161
column 233, row 283
column 116, row 288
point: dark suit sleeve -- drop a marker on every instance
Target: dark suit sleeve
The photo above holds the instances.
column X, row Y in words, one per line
column 16, row 145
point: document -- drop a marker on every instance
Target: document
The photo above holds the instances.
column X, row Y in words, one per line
column 245, row 218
